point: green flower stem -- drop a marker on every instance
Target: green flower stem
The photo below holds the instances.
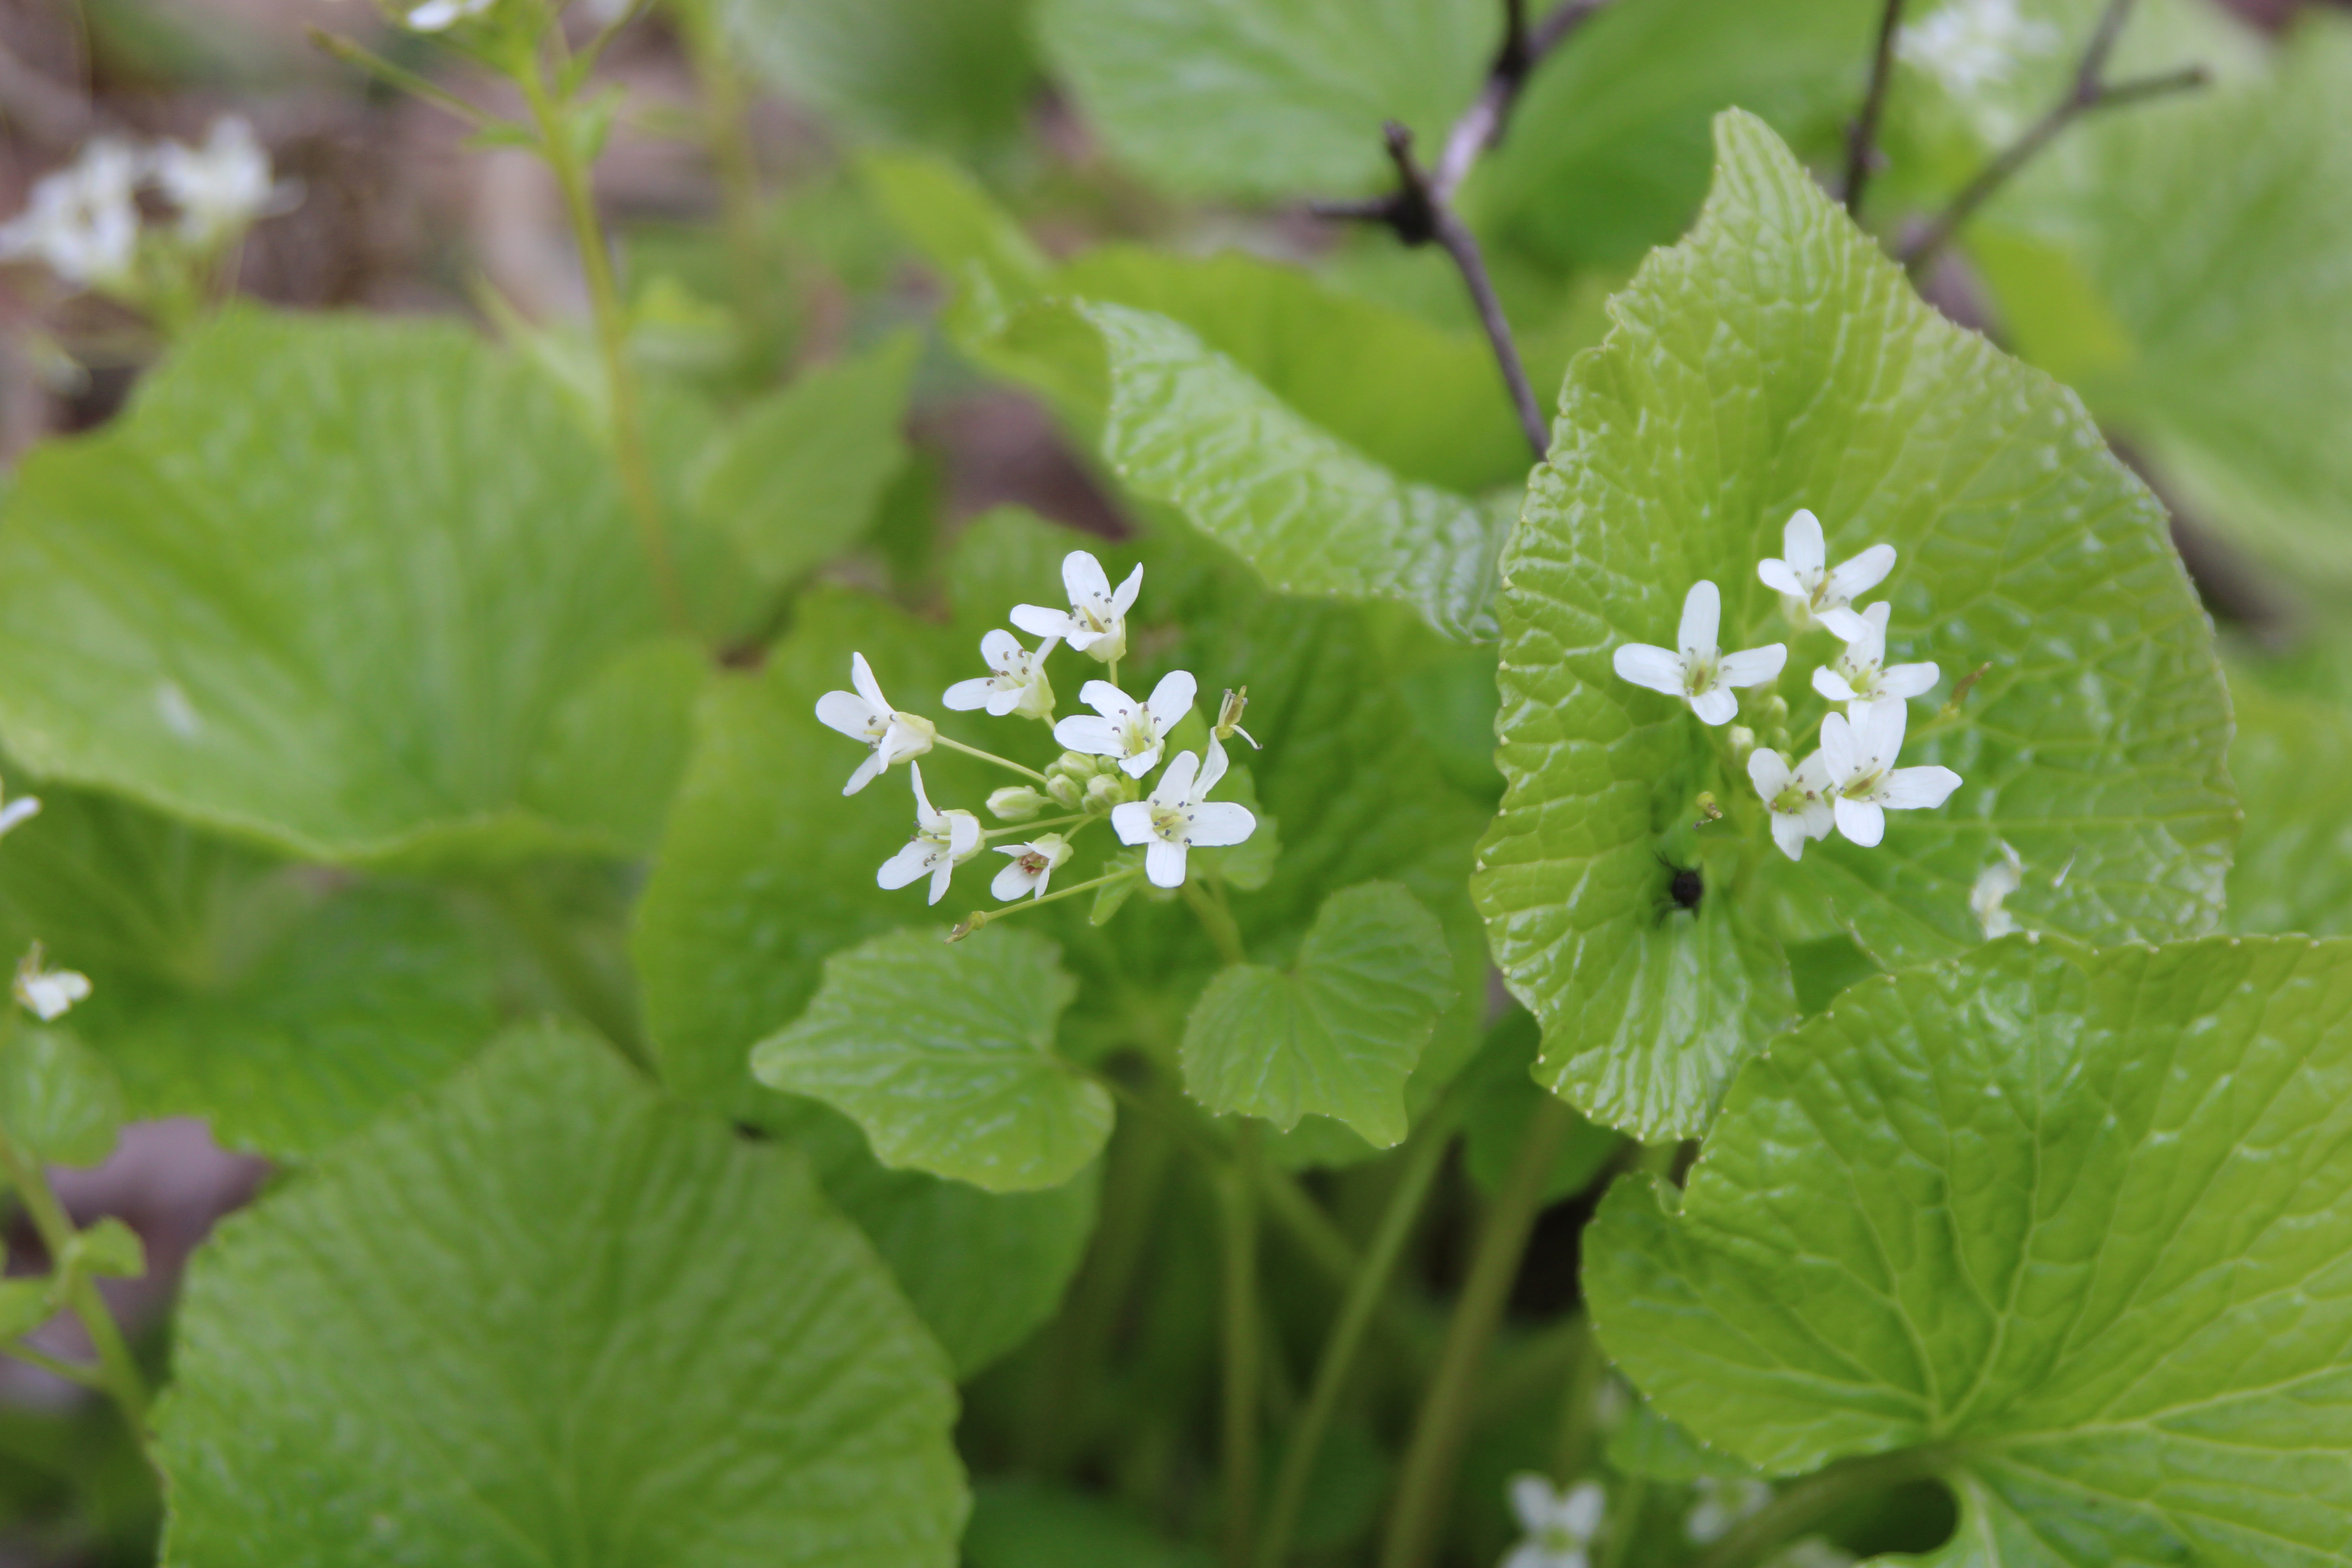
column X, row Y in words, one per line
column 1622, row 1526
column 1241, row 1344
column 89, row 1377
column 988, row 757
column 116, row 1373
column 1020, row 827
column 1218, row 920
column 1426, row 1484
column 365, row 60
column 1574, row 1447
column 729, row 150
column 979, row 918
column 1809, row 1501
column 1365, row 1293
column 605, row 1008
column 628, row 435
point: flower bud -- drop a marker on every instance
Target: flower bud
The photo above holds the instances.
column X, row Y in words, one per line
column 1066, row 791
column 1229, row 718
column 1016, row 803
column 1743, row 742
column 1107, row 790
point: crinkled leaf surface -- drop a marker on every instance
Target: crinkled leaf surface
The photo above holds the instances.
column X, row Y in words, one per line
column 955, row 73
column 1777, row 360
column 340, row 586
column 943, row 1054
column 58, row 1098
column 1340, row 1033
column 548, row 1317
column 285, row 1010
column 984, row 1270
column 2077, row 1228
column 1267, row 98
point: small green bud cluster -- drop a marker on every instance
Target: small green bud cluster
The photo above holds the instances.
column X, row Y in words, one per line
column 1080, row 782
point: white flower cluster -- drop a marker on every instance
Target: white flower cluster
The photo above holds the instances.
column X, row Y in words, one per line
column 1971, row 44
column 83, row 222
column 1557, row 1527
column 1106, row 754
column 1852, row 781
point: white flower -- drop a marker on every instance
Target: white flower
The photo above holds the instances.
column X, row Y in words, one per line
column 82, row 221
column 1095, row 621
column 1700, row 674
column 1994, row 883
column 1722, row 1503
column 1559, row 1526
column 1971, row 44
column 1133, row 732
column 47, row 992
column 1860, row 674
column 867, row 715
column 1179, row 817
column 1798, row 798
column 1810, row 590
column 439, row 16
column 222, row 188
column 18, row 811
column 1861, row 757
column 1033, row 866
column 943, row 840
column 1019, row 685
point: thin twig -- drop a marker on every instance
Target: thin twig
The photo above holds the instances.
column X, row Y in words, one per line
column 1421, row 209
column 1861, row 142
column 2088, row 92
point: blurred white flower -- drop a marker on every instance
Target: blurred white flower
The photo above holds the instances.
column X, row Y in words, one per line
column 1559, row 1526
column 1133, row 732
column 943, row 840
column 439, row 16
column 1798, row 798
column 1971, row 44
column 82, row 221
column 221, row 188
column 1860, row 674
column 1701, row 674
column 47, row 992
column 1722, row 1503
column 1179, row 817
column 1095, row 621
column 1017, row 686
column 1993, row 884
column 1810, row 589
column 1861, row 757
column 1033, row 866
column 867, row 715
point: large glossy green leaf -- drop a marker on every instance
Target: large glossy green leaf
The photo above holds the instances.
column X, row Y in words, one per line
column 943, row 1054
column 956, row 73
column 1340, row 1033
column 58, row 1098
column 548, row 1317
column 2071, row 1231
column 2186, row 268
column 1777, row 360
column 1267, row 98
column 352, row 589
column 283, row 1009
column 1608, row 153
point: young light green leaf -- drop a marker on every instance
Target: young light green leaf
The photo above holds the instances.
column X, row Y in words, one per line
column 943, row 1053
column 1776, row 360
column 672, row 1351
column 107, row 1250
column 984, row 1269
column 58, row 1098
column 797, row 477
column 285, row 1012
column 2069, row 1229
column 24, row 1305
column 1338, row 1033
column 955, row 73
column 1267, row 98
column 199, row 605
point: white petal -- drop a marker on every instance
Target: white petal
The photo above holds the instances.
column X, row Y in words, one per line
column 1838, row 753
column 1082, row 574
column 865, row 775
column 925, row 818
column 1124, row 600
column 1532, row 1500
column 1813, row 773
column 847, row 712
column 1861, row 821
column 1040, row 622
column 1529, row 1554
column 1789, row 832
column 1084, row 732
column 1826, row 681
column 1716, row 705
column 1909, row 680
column 1012, row 881
column 1579, row 1511
column 1176, row 784
column 861, row 675
column 1082, row 637
column 1917, row 789
column 1212, row 768
column 1164, row 863
column 1653, row 668
column 1142, row 762
column 1801, row 543
column 1777, row 577
column 1818, row 818
column 1002, row 697
column 1702, row 616
column 1842, row 624
column 1106, row 699
column 1879, row 731
column 1172, row 698
column 1866, row 571
column 1218, row 823
column 942, row 874
column 1870, row 648
column 1753, row 666
column 1131, row 820
column 913, row 858
column 964, row 836
column 1001, row 649
column 909, row 735
column 966, row 695
column 1768, row 771
column 19, row 810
